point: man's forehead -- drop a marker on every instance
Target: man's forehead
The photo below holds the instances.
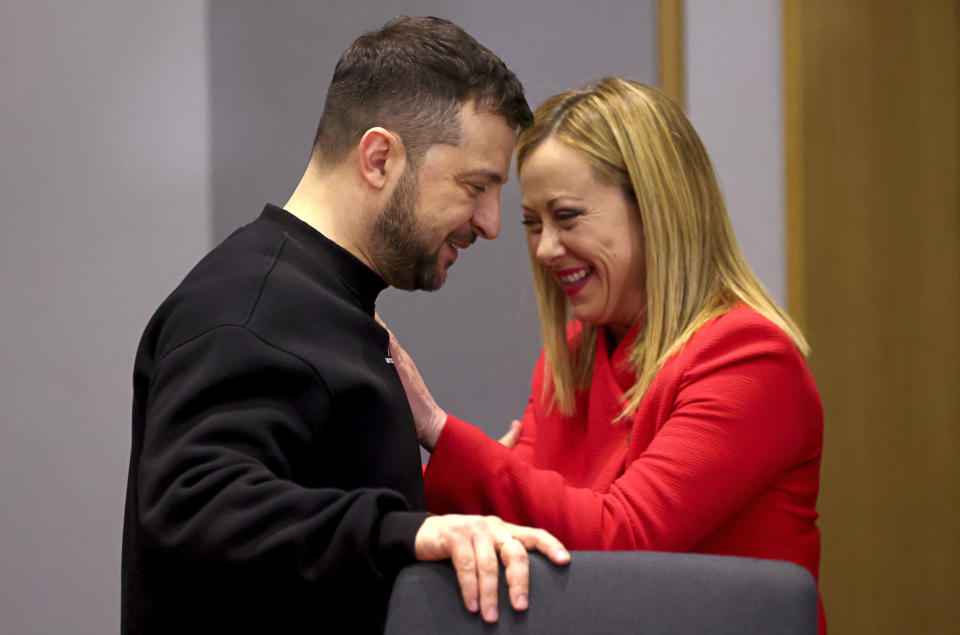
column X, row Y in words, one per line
column 477, row 115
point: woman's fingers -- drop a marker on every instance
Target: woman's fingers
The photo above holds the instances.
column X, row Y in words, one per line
column 513, row 435
column 428, row 417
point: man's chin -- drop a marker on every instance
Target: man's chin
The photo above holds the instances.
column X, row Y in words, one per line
column 433, row 280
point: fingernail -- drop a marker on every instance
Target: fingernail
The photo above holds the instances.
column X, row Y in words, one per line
column 520, row 603
column 563, row 555
column 473, row 606
column 490, row 614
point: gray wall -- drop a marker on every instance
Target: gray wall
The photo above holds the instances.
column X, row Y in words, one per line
column 104, row 181
column 476, row 340
column 735, row 101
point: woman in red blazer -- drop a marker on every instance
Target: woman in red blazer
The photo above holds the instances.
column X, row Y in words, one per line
column 675, row 412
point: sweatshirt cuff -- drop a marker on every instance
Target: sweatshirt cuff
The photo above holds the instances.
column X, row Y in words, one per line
column 398, row 532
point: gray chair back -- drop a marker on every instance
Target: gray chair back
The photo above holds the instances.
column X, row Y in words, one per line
column 620, row 592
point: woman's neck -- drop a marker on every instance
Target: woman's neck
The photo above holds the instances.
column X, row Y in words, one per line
column 613, row 337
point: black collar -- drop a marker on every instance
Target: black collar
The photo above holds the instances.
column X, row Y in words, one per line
column 362, row 281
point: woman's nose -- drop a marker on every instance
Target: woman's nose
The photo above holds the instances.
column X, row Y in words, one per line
column 549, row 246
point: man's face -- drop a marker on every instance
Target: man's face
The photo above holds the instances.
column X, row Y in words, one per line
column 442, row 208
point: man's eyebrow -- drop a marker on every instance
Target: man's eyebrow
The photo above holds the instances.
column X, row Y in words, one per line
column 491, row 175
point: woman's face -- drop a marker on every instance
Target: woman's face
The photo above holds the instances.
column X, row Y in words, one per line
column 587, row 233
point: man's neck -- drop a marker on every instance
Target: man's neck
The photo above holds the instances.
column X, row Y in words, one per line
column 327, row 203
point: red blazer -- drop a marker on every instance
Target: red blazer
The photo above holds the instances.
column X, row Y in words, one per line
column 722, row 457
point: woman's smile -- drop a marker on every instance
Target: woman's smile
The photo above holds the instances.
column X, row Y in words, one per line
column 573, row 280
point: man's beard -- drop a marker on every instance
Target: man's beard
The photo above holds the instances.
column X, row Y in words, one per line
column 401, row 245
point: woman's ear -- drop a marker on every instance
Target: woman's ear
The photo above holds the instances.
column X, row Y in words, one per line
column 381, row 157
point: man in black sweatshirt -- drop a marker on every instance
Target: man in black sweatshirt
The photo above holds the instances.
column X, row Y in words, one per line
column 275, row 482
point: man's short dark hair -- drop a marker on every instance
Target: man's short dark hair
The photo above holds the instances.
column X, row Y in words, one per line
column 412, row 77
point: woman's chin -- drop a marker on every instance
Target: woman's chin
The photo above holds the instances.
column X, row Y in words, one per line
column 586, row 317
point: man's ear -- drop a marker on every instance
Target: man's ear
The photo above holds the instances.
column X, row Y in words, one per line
column 381, row 157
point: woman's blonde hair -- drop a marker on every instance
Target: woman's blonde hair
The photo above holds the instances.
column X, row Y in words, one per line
column 636, row 138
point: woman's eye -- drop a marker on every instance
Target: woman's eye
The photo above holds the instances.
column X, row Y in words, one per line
column 529, row 222
column 568, row 214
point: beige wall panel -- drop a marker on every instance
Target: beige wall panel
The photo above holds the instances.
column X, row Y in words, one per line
column 872, row 112
column 670, row 50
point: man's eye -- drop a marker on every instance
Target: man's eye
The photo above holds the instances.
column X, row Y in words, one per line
column 478, row 189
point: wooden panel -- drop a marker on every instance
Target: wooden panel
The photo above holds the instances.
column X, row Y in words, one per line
column 873, row 165
column 672, row 64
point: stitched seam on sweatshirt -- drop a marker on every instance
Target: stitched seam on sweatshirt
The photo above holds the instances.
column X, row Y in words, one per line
column 243, row 327
column 263, row 283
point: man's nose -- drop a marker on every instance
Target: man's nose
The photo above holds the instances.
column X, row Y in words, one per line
column 486, row 221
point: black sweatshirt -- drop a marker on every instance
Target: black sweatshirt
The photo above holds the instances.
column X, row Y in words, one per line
column 275, row 482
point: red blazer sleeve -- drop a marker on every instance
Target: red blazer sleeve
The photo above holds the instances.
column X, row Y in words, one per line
column 732, row 412
column 523, row 450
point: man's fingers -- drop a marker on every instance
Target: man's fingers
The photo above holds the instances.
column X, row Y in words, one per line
column 542, row 541
column 465, row 564
column 473, row 543
column 488, row 572
column 517, row 566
